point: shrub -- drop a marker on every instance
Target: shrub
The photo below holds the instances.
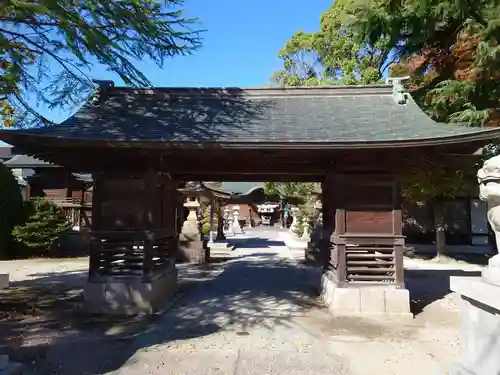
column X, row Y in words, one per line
column 42, row 229
column 11, row 209
column 206, row 220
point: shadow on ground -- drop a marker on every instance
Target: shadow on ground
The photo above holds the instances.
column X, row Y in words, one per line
column 258, row 243
column 429, row 285
column 464, row 258
column 44, row 327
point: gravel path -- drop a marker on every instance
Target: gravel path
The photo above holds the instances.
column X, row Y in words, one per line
column 257, row 314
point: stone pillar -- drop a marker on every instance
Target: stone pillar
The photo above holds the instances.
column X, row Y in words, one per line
column 236, row 224
column 481, row 295
column 191, row 248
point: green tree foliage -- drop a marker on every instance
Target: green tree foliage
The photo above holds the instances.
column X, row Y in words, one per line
column 11, row 208
column 450, row 48
column 290, row 189
column 47, row 47
column 331, row 55
column 41, row 231
column 438, row 181
column 206, row 219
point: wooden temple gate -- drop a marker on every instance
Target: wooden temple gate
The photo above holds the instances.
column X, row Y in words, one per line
column 247, row 135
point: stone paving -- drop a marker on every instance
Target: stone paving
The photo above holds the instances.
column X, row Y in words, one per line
column 257, row 314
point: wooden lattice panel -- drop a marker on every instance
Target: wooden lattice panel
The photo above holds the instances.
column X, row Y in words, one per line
column 370, row 263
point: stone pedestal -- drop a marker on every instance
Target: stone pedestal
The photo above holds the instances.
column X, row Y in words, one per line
column 480, row 313
column 491, row 274
column 378, row 301
column 130, row 295
column 191, row 249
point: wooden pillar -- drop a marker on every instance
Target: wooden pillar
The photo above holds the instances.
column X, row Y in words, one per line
column 131, row 268
column 150, row 219
column 397, row 230
column 129, row 221
column 96, row 226
column 367, row 257
column 328, row 207
column 368, row 230
column 68, row 179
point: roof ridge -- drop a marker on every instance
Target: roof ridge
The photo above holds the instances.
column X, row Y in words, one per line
column 354, row 90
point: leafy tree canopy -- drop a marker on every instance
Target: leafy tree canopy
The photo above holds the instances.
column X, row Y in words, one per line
column 48, row 46
column 450, row 49
column 331, row 55
column 290, row 189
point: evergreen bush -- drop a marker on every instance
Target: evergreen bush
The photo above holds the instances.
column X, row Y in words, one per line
column 44, row 225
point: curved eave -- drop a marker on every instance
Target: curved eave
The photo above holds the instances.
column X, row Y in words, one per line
column 230, row 194
column 18, row 138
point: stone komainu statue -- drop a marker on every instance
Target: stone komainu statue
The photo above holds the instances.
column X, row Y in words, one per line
column 489, row 191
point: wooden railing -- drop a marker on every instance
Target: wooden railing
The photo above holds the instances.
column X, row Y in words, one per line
column 77, row 212
column 134, row 253
column 66, row 202
column 359, row 258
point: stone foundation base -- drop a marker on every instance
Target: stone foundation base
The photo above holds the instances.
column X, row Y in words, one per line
column 480, row 313
column 366, row 301
column 192, row 252
column 130, row 295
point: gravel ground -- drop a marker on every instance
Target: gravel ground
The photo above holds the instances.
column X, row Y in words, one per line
column 254, row 314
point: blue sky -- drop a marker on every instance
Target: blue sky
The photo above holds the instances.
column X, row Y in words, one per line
column 240, row 45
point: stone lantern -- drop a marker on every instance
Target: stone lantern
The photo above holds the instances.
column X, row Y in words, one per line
column 295, row 222
column 236, row 223
column 190, row 240
column 305, row 233
column 229, row 220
